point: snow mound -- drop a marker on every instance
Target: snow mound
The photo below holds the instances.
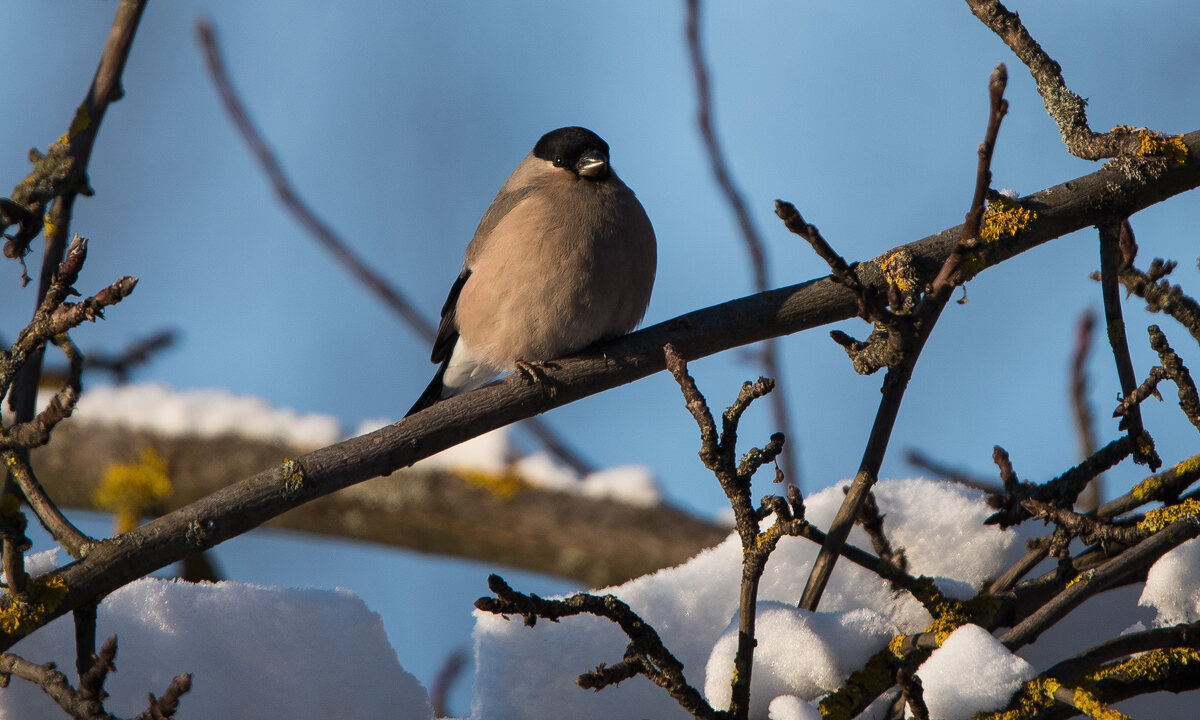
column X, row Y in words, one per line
column 252, row 651
column 160, row 409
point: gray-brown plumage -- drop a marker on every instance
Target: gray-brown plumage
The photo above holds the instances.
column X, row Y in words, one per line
column 564, row 257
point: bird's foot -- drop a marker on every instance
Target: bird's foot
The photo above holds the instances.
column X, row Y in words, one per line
column 534, row 371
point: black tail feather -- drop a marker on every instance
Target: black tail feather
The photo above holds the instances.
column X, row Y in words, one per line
column 432, row 393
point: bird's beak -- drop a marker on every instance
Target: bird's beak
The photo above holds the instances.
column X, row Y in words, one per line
column 593, row 164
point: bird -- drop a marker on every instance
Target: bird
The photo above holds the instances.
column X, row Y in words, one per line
column 564, row 257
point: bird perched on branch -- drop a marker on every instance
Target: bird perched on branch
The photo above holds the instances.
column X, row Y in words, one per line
column 564, row 257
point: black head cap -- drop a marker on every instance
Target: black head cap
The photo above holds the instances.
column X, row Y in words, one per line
column 565, row 147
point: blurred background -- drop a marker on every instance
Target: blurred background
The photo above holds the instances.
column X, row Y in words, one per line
column 398, row 122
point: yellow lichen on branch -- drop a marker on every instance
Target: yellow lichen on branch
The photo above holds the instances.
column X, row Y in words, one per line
column 1005, row 217
column 1152, row 144
column 1156, row 520
column 505, row 485
column 23, row 613
column 130, row 491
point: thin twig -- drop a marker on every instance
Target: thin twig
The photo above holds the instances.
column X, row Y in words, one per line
column 749, row 232
column 871, row 521
column 1080, row 410
column 1110, row 266
column 1089, row 529
column 718, row 453
column 927, row 464
column 1010, row 577
column 36, row 432
column 645, row 655
column 91, row 668
column 73, row 151
column 56, row 523
column 1063, row 490
column 911, row 693
column 869, row 308
column 1008, row 476
column 1160, row 295
column 439, row 690
column 1173, row 369
column 121, row 365
column 317, row 228
column 391, row 296
column 1064, row 106
column 88, row 705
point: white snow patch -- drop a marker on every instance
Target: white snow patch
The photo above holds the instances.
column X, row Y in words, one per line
column 38, row 563
column 1173, row 586
column 490, row 452
column 799, row 653
column 370, row 425
column 205, row 413
column 790, row 707
column 252, row 651
column 493, row 452
column 971, row 672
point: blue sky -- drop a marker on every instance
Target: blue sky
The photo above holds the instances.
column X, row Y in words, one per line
column 398, row 122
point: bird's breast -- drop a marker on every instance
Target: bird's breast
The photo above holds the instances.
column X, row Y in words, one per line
column 560, row 271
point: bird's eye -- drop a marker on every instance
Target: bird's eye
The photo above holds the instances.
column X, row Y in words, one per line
column 558, row 161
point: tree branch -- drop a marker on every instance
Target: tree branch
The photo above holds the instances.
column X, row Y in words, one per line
column 645, row 655
column 1110, row 267
column 1094, row 581
column 1064, row 106
column 86, row 703
column 61, row 174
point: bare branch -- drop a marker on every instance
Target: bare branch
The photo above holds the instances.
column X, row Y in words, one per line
column 717, row 452
column 645, row 655
column 1172, row 369
column 61, row 175
column 869, row 308
column 392, row 297
column 1098, row 579
column 1064, row 106
column 55, row 522
column 1159, row 294
column 1084, row 429
column 911, row 694
column 1110, row 265
column 1064, row 489
column 927, row 464
column 136, row 354
column 87, row 702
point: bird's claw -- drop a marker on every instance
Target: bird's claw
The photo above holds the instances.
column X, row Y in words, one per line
column 534, row 372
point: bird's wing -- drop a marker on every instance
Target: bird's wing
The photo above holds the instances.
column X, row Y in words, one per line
column 501, row 206
column 504, row 203
column 447, row 333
